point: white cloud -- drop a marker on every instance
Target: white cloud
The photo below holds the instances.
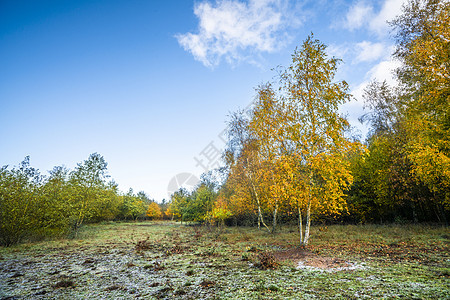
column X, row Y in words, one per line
column 229, row 28
column 389, row 10
column 357, row 15
column 339, row 51
column 369, row 51
column 355, row 108
column 362, row 14
column 358, row 92
column 384, row 71
column 365, row 51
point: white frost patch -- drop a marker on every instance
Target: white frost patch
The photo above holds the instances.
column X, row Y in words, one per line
column 351, row 266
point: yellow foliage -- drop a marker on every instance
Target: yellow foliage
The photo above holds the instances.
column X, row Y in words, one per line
column 220, row 210
column 154, row 211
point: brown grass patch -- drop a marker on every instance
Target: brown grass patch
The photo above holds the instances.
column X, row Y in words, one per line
column 207, row 283
column 267, row 261
column 143, row 245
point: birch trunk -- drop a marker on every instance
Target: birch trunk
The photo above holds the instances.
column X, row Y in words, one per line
column 274, row 223
column 261, row 217
column 255, row 193
column 300, row 225
column 259, row 222
column 308, row 223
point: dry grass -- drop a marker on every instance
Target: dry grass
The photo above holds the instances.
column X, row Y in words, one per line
column 152, row 260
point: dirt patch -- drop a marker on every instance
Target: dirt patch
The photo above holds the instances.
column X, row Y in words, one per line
column 177, row 249
column 292, row 254
column 326, row 263
column 304, row 257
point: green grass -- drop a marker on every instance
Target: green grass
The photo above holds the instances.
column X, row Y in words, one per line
column 189, row 262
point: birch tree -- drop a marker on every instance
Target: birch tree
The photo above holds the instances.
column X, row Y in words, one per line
column 245, row 167
column 266, row 125
column 314, row 131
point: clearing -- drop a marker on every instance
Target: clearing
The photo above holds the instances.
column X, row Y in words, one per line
column 158, row 260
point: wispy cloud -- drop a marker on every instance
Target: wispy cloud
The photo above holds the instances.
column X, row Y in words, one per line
column 362, row 14
column 368, row 51
column 378, row 53
column 338, row 51
column 382, row 71
column 365, row 51
column 357, row 15
column 389, row 10
column 385, row 71
column 228, row 29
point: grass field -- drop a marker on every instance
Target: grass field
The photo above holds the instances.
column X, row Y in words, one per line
column 166, row 260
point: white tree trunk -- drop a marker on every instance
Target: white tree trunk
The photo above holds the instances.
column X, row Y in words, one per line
column 308, row 222
column 300, row 223
column 274, row 223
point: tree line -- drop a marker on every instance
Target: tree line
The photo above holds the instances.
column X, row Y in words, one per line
column 36, row 206
column 293, row 157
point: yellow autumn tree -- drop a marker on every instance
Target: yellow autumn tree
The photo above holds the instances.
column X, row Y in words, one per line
column 246, row 174
column 154, row 211
column 265, row 126
column 313, row 132
column 292, row 150
column 220, row 211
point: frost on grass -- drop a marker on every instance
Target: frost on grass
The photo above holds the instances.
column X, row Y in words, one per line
column 329, row 265
column 128, row 261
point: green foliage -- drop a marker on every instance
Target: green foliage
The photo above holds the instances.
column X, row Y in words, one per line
column 196, row 205
column 35, row 206
column 132, row 206
column 384, row 187
column 18, row 201
column 56, row 206
column 31, row 206
column 86, row 184
column 200, row 203
column 178, row 203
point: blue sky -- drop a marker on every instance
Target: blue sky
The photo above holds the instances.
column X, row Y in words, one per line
column 149, row 84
